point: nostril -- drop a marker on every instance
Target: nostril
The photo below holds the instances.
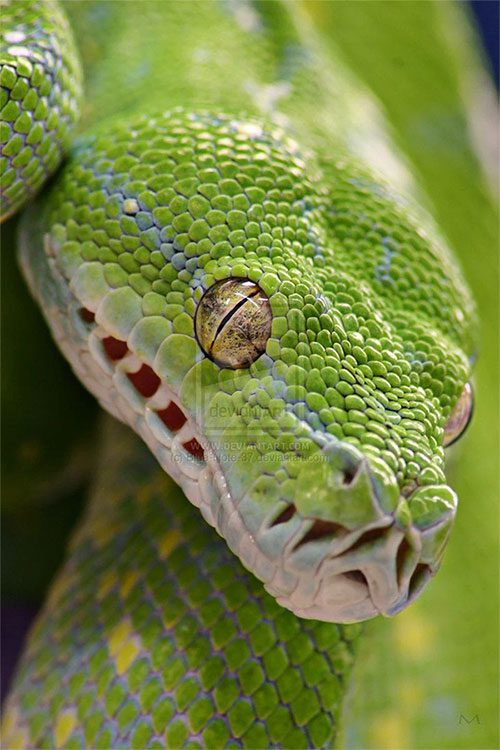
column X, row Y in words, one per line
column 349, row 475
column 285, row 515
column 408, row 489
column 86, row 315
column 114, row 348
column 172, row 417
column 345, row 462
column 350, row 466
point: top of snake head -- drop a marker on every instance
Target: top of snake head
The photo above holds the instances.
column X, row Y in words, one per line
column 288, row 340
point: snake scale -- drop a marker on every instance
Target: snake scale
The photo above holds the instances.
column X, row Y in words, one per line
column 240, row 264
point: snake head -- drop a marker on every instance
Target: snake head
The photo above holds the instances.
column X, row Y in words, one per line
column 290, row 338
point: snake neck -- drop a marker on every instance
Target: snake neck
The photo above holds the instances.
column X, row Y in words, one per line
column 264, row 60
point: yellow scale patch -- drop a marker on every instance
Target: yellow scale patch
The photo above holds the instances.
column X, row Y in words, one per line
column 169, row 542
column 129, row 580
column 123, row 645
column 108, row 581
column 65, row 724
column 101, row 529
column 14, row 736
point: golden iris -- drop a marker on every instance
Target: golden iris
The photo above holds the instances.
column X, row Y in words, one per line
column 233, row 322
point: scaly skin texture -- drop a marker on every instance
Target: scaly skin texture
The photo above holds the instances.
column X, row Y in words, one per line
column 40, row 83
column 205, row 659
column 387, row 290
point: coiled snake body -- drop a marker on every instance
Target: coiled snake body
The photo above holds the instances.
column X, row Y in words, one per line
column 238, row 262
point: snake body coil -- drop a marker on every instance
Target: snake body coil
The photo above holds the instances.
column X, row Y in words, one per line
column 40, row 81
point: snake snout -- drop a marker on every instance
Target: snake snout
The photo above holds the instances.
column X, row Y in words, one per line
column 351, row 546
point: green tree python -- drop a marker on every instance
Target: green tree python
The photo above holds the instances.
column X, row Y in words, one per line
column 239, row 261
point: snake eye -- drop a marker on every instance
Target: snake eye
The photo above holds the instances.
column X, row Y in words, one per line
column 233, row 322
column 460, row 416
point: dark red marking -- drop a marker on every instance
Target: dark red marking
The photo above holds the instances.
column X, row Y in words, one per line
column 145, row 380
column 86, row 315
column 115, row 349
column 172, row 417
column 194, row 448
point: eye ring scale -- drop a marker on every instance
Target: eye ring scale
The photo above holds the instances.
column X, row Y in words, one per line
column 460, row 417
column 233, row 322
